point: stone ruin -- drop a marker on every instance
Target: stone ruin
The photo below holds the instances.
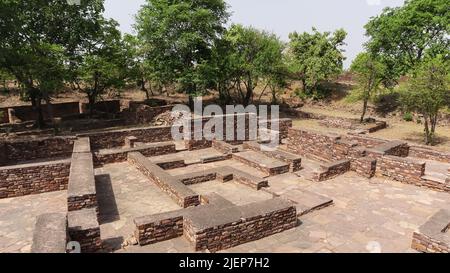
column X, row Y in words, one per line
column 209, row 222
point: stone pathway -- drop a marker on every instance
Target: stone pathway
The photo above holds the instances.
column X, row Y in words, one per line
column 123, row 194
column 18, row 218
column 367, row 216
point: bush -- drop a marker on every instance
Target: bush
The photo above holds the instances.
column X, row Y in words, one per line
column 408, row 117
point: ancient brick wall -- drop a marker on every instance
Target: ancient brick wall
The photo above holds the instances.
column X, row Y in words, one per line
column 160, row 227
column 111, row 107
column 121, row 155
column 263, row 221
column 314, row 144
column 27, row 113
column 26, row 150
column 116, row 138
column 364, row 166
column 332, row 170
column 34, row 178
column 430, row 154
column 365, row 141
column 405, row 170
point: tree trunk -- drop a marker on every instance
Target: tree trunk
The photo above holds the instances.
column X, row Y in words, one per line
column 428, row 137
column 364, row 109
column 249, row 93
column 143, row 88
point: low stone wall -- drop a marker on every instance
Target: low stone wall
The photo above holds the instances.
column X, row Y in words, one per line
column 110, row 156
column 159, row 227
column 405, row 170
column 366, row 141
column 313, row 144
column 31, row 149
column 109, row 106
column 429, row 154
column 116, row 138
column 35, row 178
column 224, row 147
column 27, row 113
column 364, row 166
column 83, row 227
column 230, row 227
column 181, row 194
column 193, row 145
column 262, row 163
column 332, row 170
column 433, row 236
column 218, row 224
column 394, row 148
column 81, row 193
column 50, row 233
column 294, row 161
column 144, row 114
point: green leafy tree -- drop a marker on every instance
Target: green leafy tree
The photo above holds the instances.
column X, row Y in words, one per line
column 247, row 57
column 38, row 39
column 102, row 64
column 428, row 93
column 404, row 36
column 316, row 57
column 178, row 36
column 369, row 72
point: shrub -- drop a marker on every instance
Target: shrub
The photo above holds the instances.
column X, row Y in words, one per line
column 408, row 117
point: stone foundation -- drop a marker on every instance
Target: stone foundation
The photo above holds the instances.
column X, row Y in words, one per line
column 429, row 154
column 405, row 170
column 181, row 194
column 110, row 156
column 364, row 166
column 219, row 224
column 83, row 227
column 81, row 193
column 332, row 170
column 34, row 178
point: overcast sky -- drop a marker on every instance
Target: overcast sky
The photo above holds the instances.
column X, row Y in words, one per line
column 285, row 16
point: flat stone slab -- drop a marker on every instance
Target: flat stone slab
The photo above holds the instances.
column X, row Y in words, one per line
column 262, row 162
column 84, row 219
column 437, row 227
column 50, row 234
column 82, row 145
column 81, row 179
column 306, row 201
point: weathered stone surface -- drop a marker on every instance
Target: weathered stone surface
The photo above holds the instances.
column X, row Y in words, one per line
column 34, row 178
column 294, row 161
column 81, row 191
column 331, row 170
column 433, row 236
column 83, row 227
column 176, row 190
column 262, row 162
column 427, row 153
column 109, row 156
column 50, row 233
column 219, row 224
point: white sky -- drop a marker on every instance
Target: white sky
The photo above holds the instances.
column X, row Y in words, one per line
column 285, row 16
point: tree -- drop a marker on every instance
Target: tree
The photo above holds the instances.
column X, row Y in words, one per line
column 404, row 36
column 37, row 39
column 102, row 62
column 245, row 58
column 428, row 93
column 316, row 57
column 179, row 36
column 369, row 72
